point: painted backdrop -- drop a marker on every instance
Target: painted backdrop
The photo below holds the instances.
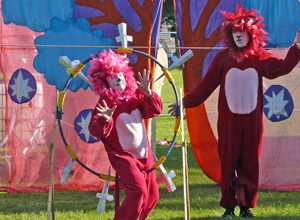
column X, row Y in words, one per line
column 199, row 29
column 34, row 34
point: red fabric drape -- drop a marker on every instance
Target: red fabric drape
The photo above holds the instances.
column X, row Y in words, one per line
column 27, row 129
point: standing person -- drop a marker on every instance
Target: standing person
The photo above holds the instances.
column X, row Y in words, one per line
column 118, row 121
column 239, row 70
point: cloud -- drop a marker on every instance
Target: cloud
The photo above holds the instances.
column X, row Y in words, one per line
column 36, row 14
column 64, row 36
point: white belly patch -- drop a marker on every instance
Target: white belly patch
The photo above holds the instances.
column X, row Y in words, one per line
column 241, row 90
column 132, row 134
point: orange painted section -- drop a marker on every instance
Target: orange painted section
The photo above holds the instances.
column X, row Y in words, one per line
column 204, row 143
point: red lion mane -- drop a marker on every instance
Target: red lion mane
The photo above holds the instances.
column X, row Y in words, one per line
column 104, row 67
column 248, row 21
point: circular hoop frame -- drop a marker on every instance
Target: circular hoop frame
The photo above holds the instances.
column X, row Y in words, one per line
column 59, row 113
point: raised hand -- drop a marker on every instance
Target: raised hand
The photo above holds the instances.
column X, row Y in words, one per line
column 145, row 82
column 104, row 111
column 172, row 110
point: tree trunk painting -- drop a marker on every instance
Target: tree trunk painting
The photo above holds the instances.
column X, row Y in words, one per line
column 141, row 36
column 192, row 31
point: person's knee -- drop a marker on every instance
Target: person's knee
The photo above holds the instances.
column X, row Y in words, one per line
column 141, row 192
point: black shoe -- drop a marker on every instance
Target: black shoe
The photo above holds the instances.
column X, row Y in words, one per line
column 246, row 214
column 229, row 213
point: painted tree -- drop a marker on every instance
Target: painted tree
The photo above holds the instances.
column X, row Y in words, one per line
column 197, row 38
column 199, row 25
column 140, row 23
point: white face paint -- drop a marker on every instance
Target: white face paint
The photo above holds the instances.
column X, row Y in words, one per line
column 240, row 37
column 118, row 83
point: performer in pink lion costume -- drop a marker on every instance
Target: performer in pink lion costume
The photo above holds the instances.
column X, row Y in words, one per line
column 118, row 121
column 239, row 70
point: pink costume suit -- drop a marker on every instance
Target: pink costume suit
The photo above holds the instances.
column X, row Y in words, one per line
column 240, row 125
column 129, row 152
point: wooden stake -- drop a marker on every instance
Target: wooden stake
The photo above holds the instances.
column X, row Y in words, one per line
column 187, row 193
column 184, row 168
column 51, row 186
column 51, row 181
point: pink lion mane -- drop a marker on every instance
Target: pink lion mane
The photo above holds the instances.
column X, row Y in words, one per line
column 104, row 67
column 248, row 21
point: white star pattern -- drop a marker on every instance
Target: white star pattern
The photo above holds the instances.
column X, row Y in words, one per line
column 21, row 88
column 84, row 123
column 276, row 104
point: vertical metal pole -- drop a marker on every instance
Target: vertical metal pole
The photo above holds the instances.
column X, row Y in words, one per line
column 51, row 186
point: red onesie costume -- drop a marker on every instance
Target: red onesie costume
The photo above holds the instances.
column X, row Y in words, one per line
column 240, row 108
column 129, row 152
column 126, row 143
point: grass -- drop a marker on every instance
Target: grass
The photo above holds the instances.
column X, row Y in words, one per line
column 204, row 193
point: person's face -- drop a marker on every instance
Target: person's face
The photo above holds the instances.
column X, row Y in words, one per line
column 118, row 83
column 240, row 37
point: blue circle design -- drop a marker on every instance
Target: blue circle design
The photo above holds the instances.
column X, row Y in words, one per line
column 83, row 132
column 28, row 79
column 289, row 107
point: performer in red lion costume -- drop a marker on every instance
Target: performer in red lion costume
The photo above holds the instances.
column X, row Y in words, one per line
column 118, row 121
column 239, row 70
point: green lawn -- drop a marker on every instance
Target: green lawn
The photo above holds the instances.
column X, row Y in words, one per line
column 204, row 193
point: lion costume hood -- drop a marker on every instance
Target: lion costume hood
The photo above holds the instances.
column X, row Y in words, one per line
column 104, row 67
column 248, row 21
